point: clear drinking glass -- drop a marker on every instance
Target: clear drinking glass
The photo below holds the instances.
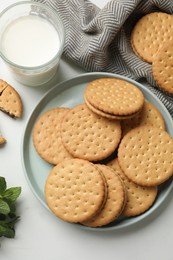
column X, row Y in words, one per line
column 31, row 75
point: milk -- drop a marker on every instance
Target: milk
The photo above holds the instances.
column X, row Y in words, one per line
column 31, row 42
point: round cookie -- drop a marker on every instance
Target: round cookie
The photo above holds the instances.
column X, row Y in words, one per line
column 89, row 136
column 75, row 190
column 163, row 68
column 47, row 138
column 150, row 33
column 115, row 200
column 103, row 114
column 145, row 155
column 114, row 96
column 149, row 115
column 139, row 198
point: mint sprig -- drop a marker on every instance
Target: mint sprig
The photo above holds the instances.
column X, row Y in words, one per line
column 8, row 216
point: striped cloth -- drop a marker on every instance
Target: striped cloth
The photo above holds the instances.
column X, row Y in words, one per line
column 99, row 39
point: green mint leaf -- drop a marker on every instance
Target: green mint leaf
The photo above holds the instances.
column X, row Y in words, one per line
column 3, row 184
column 6, row 231
column 9, row 219
column 4, row 208
column 12, row 193
column 11, row 204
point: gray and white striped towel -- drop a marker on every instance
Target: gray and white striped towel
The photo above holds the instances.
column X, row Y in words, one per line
column 99, row 39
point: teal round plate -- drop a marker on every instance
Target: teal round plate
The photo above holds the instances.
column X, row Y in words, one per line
column 68, row 94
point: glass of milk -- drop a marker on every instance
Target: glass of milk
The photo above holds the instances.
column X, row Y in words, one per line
column 32, row 38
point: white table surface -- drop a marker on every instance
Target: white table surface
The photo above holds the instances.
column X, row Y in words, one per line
column 39, row 234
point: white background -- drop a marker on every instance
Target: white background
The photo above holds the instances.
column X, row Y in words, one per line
column 39, row 234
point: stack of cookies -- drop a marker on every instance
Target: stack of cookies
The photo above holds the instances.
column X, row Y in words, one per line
column 79, row 191
column 109, row 154
column 151, row 40
column 114, row 99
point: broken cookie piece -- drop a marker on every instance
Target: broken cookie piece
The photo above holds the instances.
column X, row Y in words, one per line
column 10, row 101
column 2, row 140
